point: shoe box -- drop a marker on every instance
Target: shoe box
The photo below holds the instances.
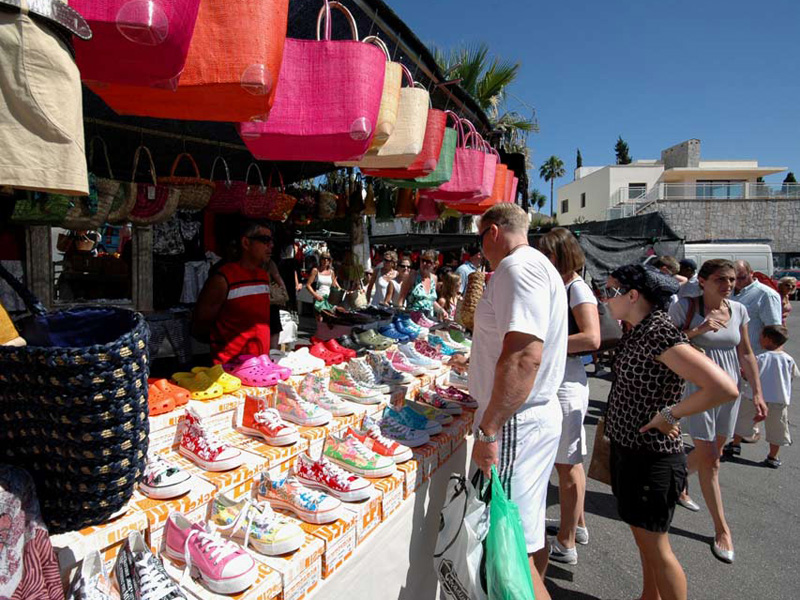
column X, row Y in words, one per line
column 367, row 514
column 72, row 547
column 339, row 538
column 300, row 571
column 158, row 511
column 412, row 477
column 427, row 458
column 166, row 429
column 315, row 437
column 392, row 492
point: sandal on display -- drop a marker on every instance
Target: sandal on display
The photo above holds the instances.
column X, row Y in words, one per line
column 252, row 372
column 176, row 392
column 331, row 358
column 159, row 401
column 200, row 386
column 229, row 383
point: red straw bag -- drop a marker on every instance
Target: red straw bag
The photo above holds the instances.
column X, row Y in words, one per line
column 228, row 195
column 468, row 167
column 154, row 203
column 136, row 42
column 233, row 65
column 328, row 99
column 195, row 191
column 490, row 162
column 509, row 183
column 427, row 160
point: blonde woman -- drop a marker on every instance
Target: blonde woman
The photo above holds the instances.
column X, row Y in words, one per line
column 450, row 297
column 382, row 280
column 786, row 287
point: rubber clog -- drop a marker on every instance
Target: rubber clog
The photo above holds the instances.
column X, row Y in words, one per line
column 229, row 383
column 336, row 347
column 176, row 392
column 253, row 372
column 199, row 384
column 159, row 401
column 283, row 372
column 331, row 358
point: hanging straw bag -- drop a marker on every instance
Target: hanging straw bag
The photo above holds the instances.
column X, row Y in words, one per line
column 468, row 167
column 195, row 191
column 228, row 195
column 444, row 166
column 137, row 43
column 326, row 205
column 328, row 98
column 91, row 212
column 390, row 96
column 472, row 295
column 498, row 195
column 39, row 208
column 73, row 408
column 267, row 202
column 154, row 203
column 231, row 70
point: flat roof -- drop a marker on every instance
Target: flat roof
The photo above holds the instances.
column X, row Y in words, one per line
column 679, row 174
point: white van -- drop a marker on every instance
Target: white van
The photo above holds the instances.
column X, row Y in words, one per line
column 758, row 255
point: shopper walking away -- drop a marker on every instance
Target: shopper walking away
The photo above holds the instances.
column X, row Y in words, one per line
column 233, row 308
column 718, row 326
column 563, row 250
column 645, row 405
column 518, row 354
column 474, row 259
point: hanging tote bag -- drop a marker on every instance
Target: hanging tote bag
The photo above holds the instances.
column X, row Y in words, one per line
column 195, row 191
column 136, row 42
column 514, row 189
column 468, row 167
column 390, row 96
column 228, row 195
column 498, row 195
column 154, row 203
column 426, row 210
column 428, row 159
column 328, row 99
column 231, row 70
column 406, row 203
column 90, row 212
column 73, row 408
column 508, row 186
column 255, row 196
column 490, row 161
column 444, row 166
column 273, row 204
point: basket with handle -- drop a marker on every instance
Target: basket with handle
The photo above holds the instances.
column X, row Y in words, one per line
column 228, row 195
column 195, row 191
column 73, row 407
column 274, row 204
column 154, row 203
column 90, row 212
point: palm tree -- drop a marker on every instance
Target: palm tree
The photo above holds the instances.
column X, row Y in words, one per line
column 537, row 199
column 552, row 169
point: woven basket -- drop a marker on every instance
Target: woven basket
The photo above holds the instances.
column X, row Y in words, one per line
column 91, row 212
column 154, row 203
column 38, row 208
column 472, row 295
column 195, row 191
column 73, row 408
column 122, row 204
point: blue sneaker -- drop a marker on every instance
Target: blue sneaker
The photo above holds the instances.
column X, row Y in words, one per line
column 441, row 346
column 411, row 419
column 411, row 326
column 405, row 330
column 391, row 332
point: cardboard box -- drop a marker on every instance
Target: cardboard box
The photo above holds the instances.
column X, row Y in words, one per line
column 339, row 538
column 392, row 492
column 301, row 570
column 221, row 405
column 72, row 547
column 165, row 439
column 427, row 458
column 226, row 481
column 367, row 514
column 412, row 476
column 157, row 511
column 267, row 586
column 376, row 410
column 315, row 436
column 168, row 420
column 445, row 441
column 257, row 392
column 272, row 455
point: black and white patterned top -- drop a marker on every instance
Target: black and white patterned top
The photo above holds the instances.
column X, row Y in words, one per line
column 643, row 385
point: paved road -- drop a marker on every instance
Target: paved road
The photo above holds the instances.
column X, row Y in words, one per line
column 762, row 506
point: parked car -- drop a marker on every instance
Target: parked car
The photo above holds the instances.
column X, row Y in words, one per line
column 790, row 273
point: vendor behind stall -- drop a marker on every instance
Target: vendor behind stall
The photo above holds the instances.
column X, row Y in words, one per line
column 232, row 311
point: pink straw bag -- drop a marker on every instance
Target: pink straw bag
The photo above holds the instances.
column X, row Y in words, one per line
column 327, row 101
column 228, row 195
column 468, row 170
column 154, row 203
column 509, row 182
column 274, row 204
column 137, row 42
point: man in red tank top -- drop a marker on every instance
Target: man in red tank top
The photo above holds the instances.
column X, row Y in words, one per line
column 232, row 310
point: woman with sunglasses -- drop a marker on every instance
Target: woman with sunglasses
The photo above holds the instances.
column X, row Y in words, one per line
column 645, row 405
column 419, row 289
column 325, row 278
column 382, row 280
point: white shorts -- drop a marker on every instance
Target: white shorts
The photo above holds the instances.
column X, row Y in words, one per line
column 573, row 397
column 528, row 446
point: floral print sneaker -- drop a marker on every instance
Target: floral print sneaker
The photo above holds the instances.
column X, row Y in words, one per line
column 430, row 412
column 421, row 320
column 456, row 395
column 315, row 389
column 322, row 474
column 361, row 372
column 342, row 384
column 91, row 581
column 442, row 346
column 256, row 524
column 289, row 494
column 163, row 480
column 374, row 440
column 403, row 434
column 348, row 452
column 416, row 358
column 293, row 408
column 205, row 449
column 385, row 372
column 437, row 401
column 428, row 351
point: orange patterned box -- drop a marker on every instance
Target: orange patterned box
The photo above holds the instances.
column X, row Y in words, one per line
column 158, row 511
column 315, row 437
column 412, row 476
column 224, row 481
column 301, row 570
column 392, row 494
column 267, row 586
column 223, row 404
column 168, row 420
column 273, row 455
column 427, row 458
column 339, row 538
column 257, row 392
column 367, row 514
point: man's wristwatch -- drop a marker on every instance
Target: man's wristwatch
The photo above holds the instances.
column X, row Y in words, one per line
column 666, row 412
column 481, row 436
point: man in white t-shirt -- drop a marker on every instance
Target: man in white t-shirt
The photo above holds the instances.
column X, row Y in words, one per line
column 519, row 351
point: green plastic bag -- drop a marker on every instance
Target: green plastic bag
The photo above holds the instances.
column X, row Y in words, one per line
column 508, row 574
column 444, row 168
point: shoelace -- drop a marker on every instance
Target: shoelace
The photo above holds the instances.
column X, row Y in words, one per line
column 210, row 544
column 395, row 426
column 362, row 450
column 156, row 467
column 207, row 440
column 269, row 416
column 336, row 473
column 375, row 433
column 154, row 582
column 259, row 513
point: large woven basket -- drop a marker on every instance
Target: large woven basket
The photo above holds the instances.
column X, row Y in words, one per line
column 91, row 212
column 73, row 408
column 195, row 191
column 472, row 295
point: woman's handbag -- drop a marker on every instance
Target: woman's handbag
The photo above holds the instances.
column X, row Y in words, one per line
column 195, row 191
column 228, row 195
column 278, row 295
column 154, row 203
column 74, row 410
column 336, row 296
column 467, row 178
column 327, row 102
column 600, row 465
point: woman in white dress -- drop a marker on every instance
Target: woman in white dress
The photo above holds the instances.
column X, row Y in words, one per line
column 383, row 279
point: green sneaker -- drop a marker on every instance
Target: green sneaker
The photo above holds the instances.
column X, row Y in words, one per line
column 350, row 454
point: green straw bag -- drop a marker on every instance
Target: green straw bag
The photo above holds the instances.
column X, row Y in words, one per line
column 444, row 168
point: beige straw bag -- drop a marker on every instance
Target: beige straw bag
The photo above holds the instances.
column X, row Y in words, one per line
column 390, row 97
column 195, row 191
column 465, row 313
column 81, row 216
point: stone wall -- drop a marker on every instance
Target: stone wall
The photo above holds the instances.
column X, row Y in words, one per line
column 708, row 220
column 685, row 154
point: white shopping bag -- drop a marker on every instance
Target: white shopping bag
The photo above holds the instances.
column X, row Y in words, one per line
column 463, row 525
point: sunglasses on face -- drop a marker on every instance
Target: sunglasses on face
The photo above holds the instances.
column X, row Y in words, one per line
column 405, row 266
column 612, row 292
column 264, row 239
column 483, row 233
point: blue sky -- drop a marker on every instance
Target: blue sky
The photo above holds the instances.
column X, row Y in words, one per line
column 657, row 73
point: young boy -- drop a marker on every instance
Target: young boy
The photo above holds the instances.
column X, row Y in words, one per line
column 776, row 370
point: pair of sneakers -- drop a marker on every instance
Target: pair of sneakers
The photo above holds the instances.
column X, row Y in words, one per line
column 560, row 553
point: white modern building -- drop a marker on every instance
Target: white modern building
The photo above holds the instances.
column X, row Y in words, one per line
column 614, row 191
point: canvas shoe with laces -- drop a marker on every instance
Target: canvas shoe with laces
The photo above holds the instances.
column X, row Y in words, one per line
column 343, row 384
column 324, row 475
column 222, row 566
column 205, row 449
column 430, row 412
column 385, row 372
column 288, row 493
column 552, row 526
column 420, row 319
column 442, row 346
column 374, row 440
column 456, row 395
column 561, row 554
column 432, row 352
column 91, row 581
column 402, row 364
column 140, row 574
column 412, row 419
column 293, row 408
column 256, row 524
column 315, row 388
column 459, row 380
column 258, row 420
column 393, row 429
column 350, row 454
column 438, row 401
column 162, row 480
column 445, row 336
column 458, row 336
column 416, row 358
column 361, row 371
